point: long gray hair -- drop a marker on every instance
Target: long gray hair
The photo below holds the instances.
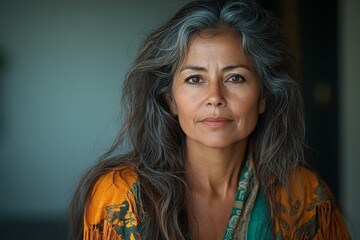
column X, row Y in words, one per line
column 155, row 137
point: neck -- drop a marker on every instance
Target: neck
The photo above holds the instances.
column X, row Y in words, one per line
column 214, row 170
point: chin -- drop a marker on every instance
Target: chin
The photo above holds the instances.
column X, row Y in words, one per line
column 222, row 144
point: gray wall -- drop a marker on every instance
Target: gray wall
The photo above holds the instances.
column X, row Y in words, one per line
column 350, row 111
column 61, row 72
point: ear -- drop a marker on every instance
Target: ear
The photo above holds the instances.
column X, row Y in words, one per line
column 171, row 103
column 262, row 105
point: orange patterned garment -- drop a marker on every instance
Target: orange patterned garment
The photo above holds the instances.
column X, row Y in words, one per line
column 115, row 210
column 311, row 212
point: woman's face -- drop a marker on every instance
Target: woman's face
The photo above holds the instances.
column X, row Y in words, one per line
column 216, row 92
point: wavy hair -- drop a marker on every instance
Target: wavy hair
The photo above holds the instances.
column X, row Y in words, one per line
column 155, row 137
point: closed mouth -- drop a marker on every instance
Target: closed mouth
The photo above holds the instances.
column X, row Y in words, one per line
column 216, row 122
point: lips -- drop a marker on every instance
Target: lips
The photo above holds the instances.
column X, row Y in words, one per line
column 216, row 122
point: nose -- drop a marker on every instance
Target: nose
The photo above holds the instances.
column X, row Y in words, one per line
column 216, row 95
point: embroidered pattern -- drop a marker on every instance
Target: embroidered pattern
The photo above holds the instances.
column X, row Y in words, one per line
column 244, row 189
column 293, row 214
column 123, row 220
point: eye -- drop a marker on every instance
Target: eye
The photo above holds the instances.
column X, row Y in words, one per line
column 193, row 79
column 236, row 78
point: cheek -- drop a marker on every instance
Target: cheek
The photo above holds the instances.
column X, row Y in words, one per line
column 184, row 102
column 173, row 107
column 186, row 123
column 186, row 113
column 247, row 110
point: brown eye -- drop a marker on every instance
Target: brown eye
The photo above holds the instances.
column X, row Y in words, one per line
column 193, row 79
column 236, row 78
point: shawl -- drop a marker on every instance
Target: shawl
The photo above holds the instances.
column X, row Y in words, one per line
column 115, row 210
column 244, row 223
column 309, row 211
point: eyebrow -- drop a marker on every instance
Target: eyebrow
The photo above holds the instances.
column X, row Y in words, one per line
column 202, row 69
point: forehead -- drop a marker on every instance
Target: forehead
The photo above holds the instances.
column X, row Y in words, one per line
column 209, row 38
column 208, row 45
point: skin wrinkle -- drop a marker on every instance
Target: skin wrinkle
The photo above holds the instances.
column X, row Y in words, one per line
column 223, row 85
column 160, row 164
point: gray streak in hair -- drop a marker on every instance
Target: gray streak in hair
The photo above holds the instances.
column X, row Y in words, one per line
column 155, row 136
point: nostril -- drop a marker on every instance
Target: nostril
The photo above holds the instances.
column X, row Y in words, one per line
column 216, row 103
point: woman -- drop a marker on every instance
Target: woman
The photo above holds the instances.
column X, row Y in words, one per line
column 216, row 131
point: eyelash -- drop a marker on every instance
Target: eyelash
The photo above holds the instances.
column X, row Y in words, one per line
column 190, row 79
column 239, row 79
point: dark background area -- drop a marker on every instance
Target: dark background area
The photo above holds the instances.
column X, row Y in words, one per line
column 321, row 85
column 312, row 32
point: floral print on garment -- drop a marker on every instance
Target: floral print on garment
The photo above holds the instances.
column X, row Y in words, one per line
column 244, row 203
column 123, row 221
column 115, row 210
column 311, row 213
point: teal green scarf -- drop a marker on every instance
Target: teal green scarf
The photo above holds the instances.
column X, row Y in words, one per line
column 249, row 218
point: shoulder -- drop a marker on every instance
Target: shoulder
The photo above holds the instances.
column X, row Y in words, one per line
column 307, row 209
column 308, row 187
column 114, row 185
column 114, row 206
column 302, row 186
column 306, row 183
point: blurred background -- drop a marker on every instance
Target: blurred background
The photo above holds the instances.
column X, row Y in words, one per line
column 61, row 70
